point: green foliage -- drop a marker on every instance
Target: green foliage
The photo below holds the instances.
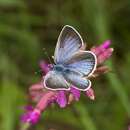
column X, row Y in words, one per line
column 28, row 26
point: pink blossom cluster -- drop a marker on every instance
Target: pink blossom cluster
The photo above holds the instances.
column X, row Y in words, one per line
column 44, row 98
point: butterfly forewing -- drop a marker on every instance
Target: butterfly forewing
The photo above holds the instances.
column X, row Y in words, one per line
column 69, row 42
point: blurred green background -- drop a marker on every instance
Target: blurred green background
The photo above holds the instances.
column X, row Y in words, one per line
column 26, row 27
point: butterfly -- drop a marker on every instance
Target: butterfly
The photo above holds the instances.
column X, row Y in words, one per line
column 72, row 64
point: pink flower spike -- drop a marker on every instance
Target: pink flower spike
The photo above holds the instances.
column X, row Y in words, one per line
column 90, row 93
column 106, row 44
column 75, row 92
column 61, row 99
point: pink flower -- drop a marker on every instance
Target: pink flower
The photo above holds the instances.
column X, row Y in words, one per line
column 31, row 116
column 103, row 52
column 45, row 67
column 75, row 92
column 90, row 93
column 61, row 99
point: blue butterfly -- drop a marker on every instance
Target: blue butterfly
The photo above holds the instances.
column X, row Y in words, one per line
column 72, row 65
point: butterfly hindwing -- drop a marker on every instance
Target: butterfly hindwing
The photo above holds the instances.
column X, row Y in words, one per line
column 55, row 81
column 69, row 42
column 77, row 80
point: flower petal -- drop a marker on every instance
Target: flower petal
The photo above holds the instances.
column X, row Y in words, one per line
column 31, row 116
column 104, row 56
column 75, row 92
column 44, row 66
column 101, row 48
column 90, row 93
column 61, row 98
column 106, row 44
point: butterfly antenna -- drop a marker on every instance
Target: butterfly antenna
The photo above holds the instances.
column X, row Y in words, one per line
column 46, row 54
